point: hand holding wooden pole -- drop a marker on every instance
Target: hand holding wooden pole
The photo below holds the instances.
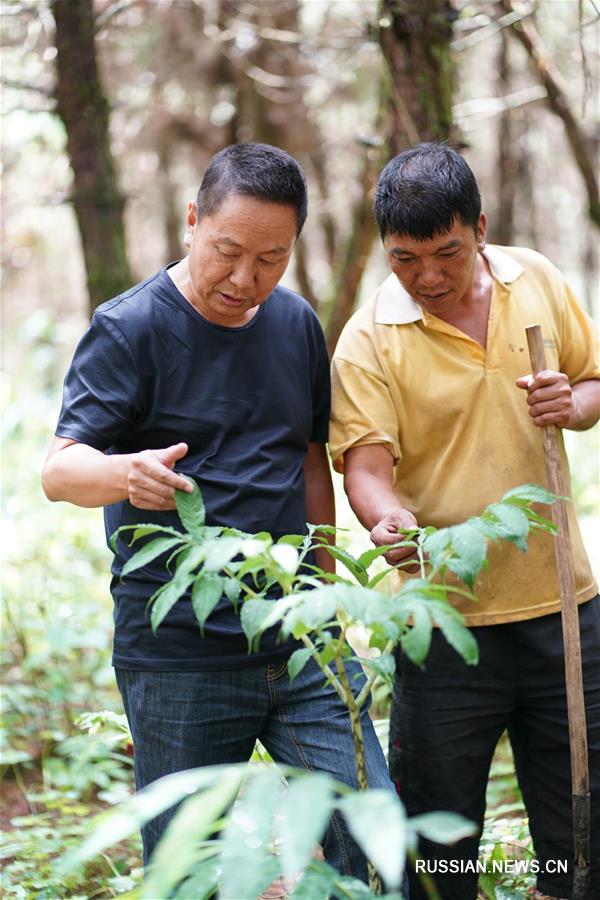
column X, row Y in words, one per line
column 580, row 778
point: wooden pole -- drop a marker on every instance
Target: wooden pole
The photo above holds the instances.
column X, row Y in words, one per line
column 580, row 778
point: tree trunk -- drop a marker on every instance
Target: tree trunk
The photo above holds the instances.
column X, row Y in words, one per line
column 415, row 40
column 173, row 217
column 360, row 242
column 507, row 157
column 528, row 36
column 83, row 109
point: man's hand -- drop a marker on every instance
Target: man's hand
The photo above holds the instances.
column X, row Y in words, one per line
column 386, row 532
column 368, row 483
column 88, row 477
column 549, row 396
column 151, row 483
column 553, row 401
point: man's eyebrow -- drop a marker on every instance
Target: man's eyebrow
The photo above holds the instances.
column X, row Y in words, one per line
column 231, row 243
column 397, row 251
column 227, row 240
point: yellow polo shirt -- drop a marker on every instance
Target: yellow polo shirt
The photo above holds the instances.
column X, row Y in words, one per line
column 455, row 423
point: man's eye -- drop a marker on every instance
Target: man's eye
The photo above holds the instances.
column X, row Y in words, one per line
column 449, row 253
column 227, row 256
column 269, row 262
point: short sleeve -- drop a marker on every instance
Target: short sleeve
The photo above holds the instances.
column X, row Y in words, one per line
column 362, row 412
column 321, row 391
column 578, row 352
column 101, row 394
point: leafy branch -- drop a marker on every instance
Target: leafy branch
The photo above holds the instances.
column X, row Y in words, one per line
column 317, row 608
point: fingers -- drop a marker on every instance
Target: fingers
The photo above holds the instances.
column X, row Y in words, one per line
column 387, row 530
column 151, row 481
column 404, row 556
column 524, row 381
column 549, row 396
column 170, row 455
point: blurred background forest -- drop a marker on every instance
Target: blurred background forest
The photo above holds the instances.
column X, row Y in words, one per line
column 110, row 111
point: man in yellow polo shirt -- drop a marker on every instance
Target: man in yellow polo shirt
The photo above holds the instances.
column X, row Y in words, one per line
column 434, row 417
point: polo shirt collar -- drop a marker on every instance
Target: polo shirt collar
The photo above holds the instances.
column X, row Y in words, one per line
column 395, row 306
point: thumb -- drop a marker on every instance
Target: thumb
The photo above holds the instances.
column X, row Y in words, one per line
column 169, row 456
column 524, row 381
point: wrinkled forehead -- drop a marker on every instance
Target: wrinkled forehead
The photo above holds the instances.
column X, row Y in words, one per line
column 244, row 223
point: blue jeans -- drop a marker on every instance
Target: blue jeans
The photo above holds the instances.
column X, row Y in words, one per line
column 181, row 720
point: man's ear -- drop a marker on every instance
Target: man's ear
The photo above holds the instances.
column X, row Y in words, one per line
column 481, row 230
column 191, row 221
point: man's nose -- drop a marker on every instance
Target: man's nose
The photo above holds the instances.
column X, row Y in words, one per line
column 430, row 274
column 243, row 274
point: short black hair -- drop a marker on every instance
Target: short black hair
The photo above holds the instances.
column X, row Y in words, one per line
column 253, row 170
column 423, row 190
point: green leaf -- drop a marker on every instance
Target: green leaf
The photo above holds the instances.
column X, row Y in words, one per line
column 462, row 571
column 177, row 552
column 140, row 531
column 248, row 863
column 203, row 883
column 190, row 508
column 218, row 553
column 256, row 616
column 295, row 540
column 511, row 523
column 324, row 529
column 232, row 589
column 347, row 560
column 297, row 661
column 322, row 882
column 529, row 493
column 487, row 884
column 536, row 521
column 442, row 827
column 369, row 556
column 436, row 545
column 458, row 636
column 416, row 642
column 374, row 581
column 354, row 889
column 384, row 665
column 381, row 634
column 190, row 559
column 167, row 596
column 301, row 819
column 310, row 610
column 115, row 825
column 206, row 593
column 179, row 848
column 505, row 893
column 468, row 543
column 317, row 883
column 377, row 822
column 361, row 604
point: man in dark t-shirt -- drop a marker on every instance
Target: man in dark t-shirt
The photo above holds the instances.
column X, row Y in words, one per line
column 212, row 370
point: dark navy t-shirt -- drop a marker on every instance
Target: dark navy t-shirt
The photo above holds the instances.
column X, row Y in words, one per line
column 151, row 372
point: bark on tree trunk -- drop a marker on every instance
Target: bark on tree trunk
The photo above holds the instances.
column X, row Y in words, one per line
column 173, row 217
column 356, row 255
column 415, row 40
column 507, row 157
column 83, row 108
